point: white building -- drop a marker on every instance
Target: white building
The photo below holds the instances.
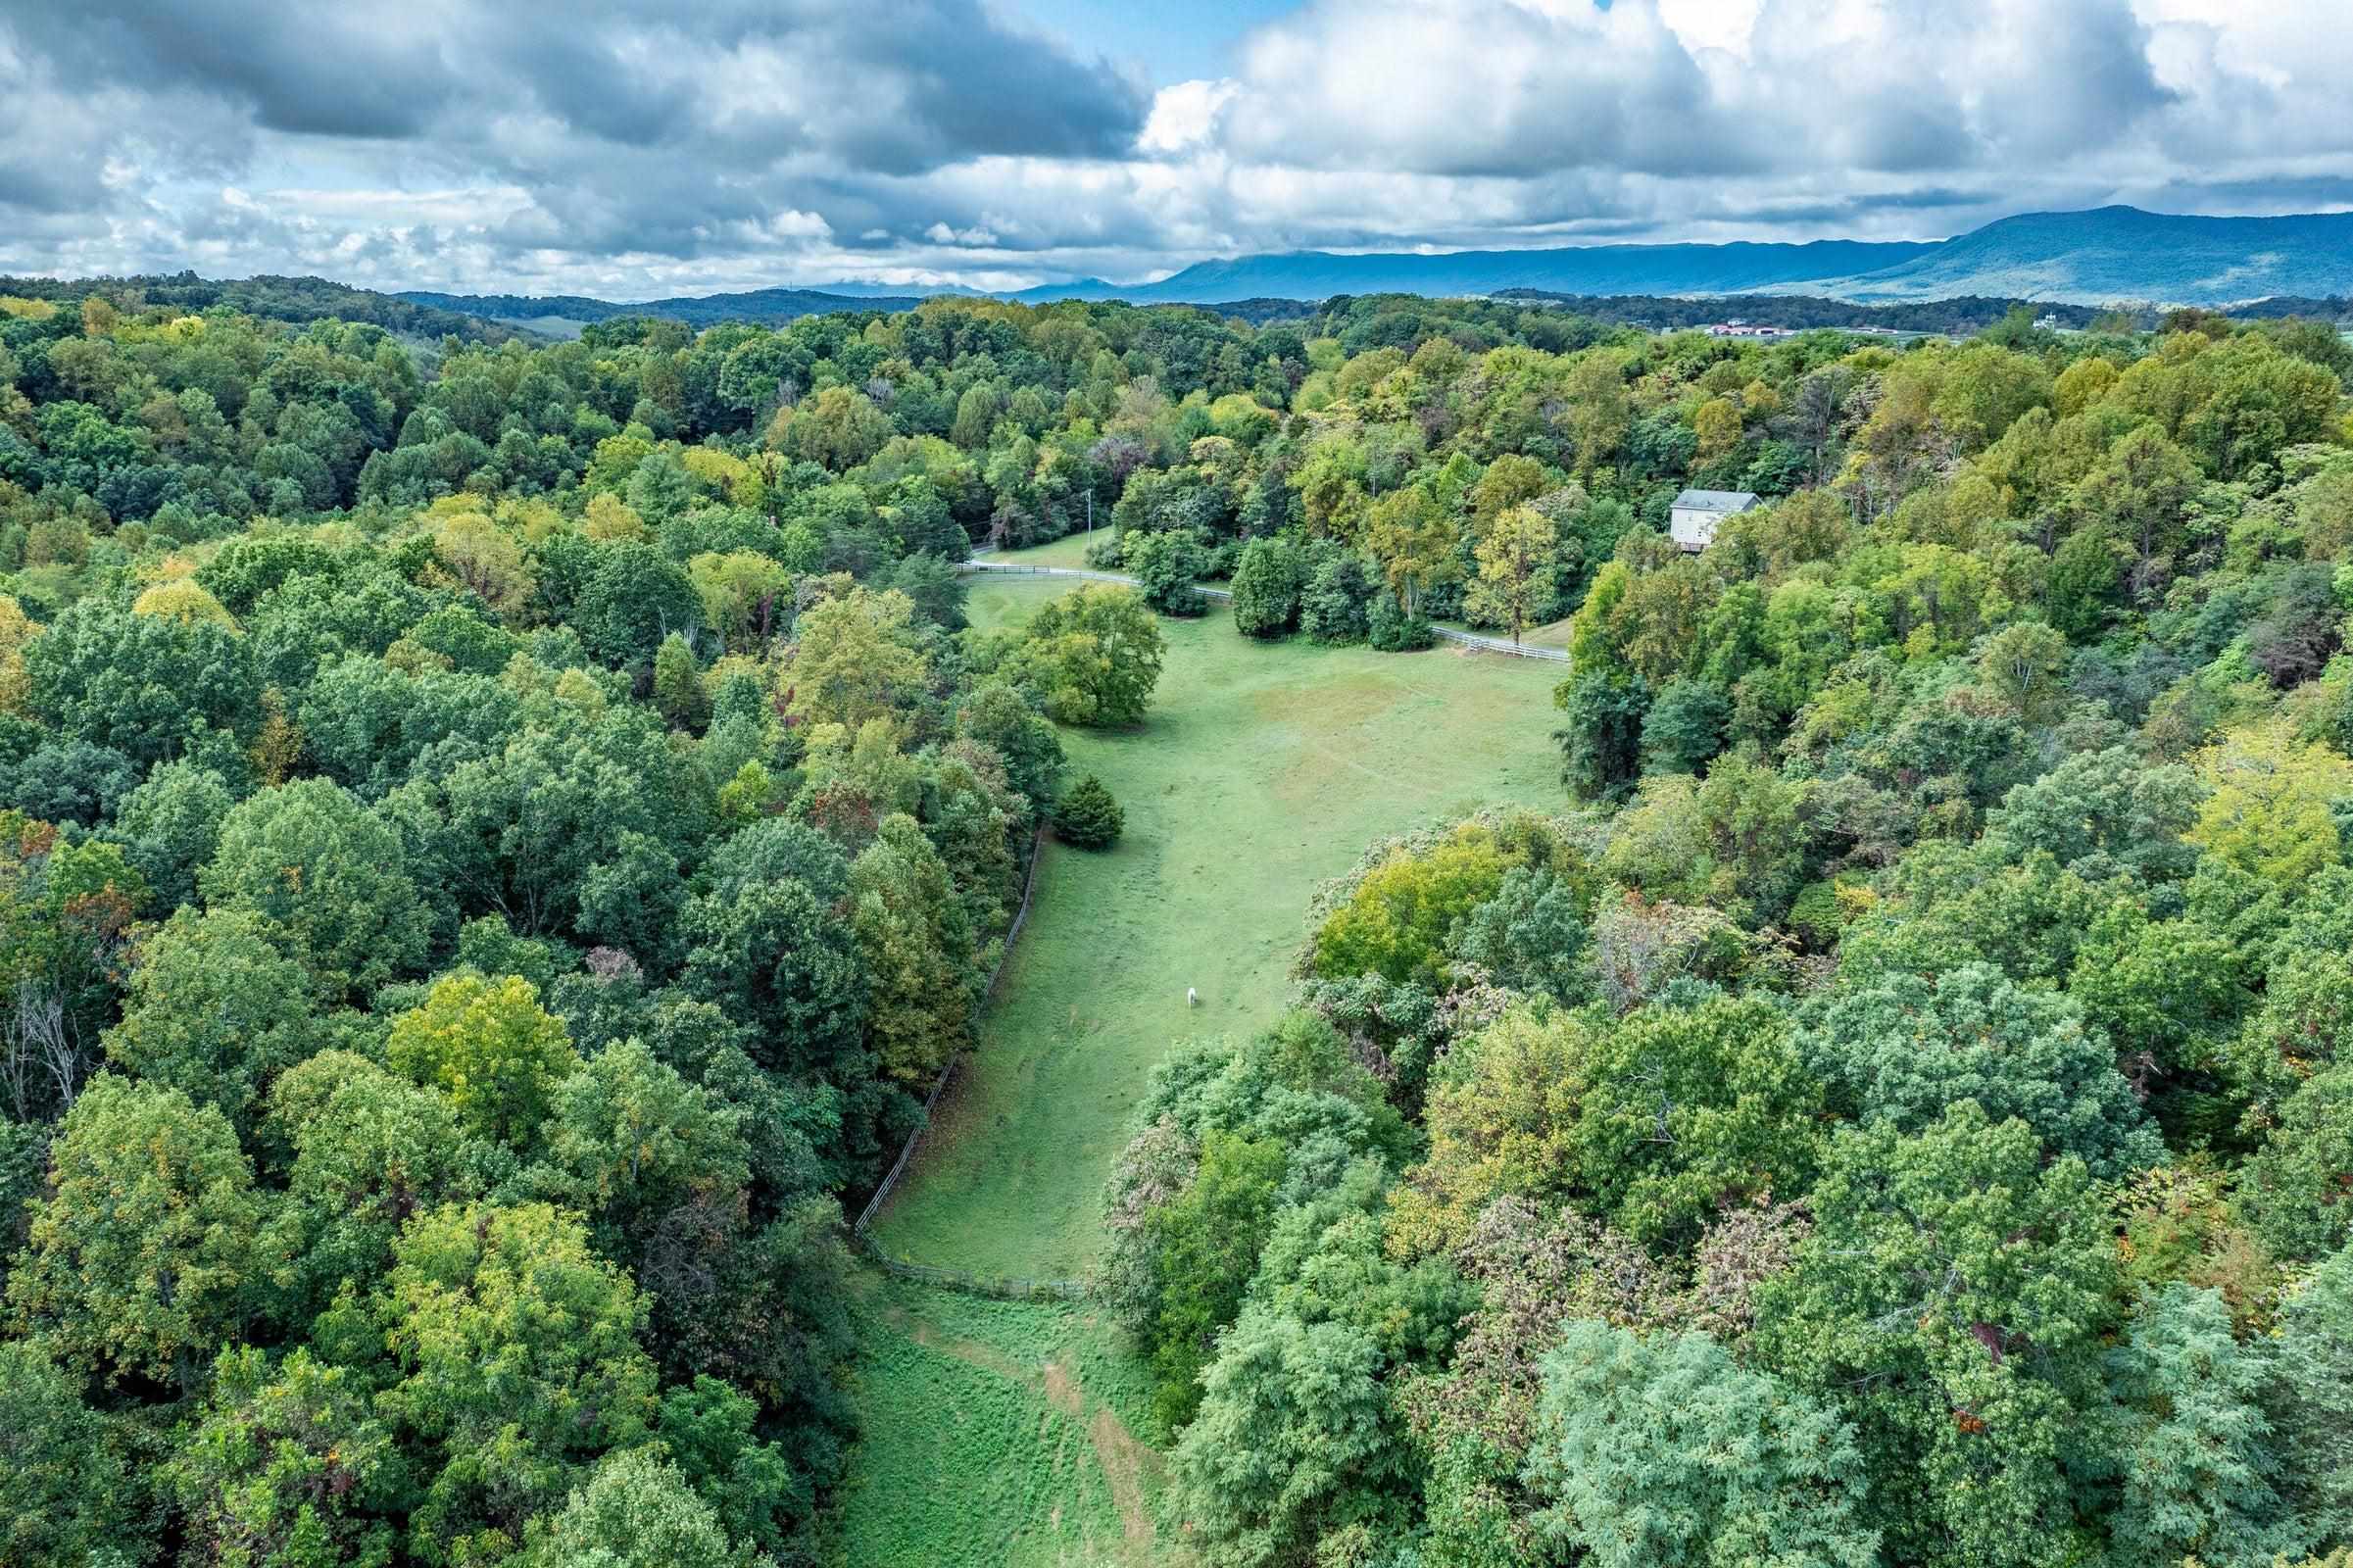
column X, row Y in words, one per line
column 1697, row 513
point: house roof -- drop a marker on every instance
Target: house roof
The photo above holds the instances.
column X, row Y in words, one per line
column 1715, row 501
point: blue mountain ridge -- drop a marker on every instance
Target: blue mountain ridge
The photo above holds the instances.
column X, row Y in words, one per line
column 2101, row 255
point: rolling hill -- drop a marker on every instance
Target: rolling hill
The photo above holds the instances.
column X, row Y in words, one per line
column 2102, row 256
column 562, row 315
column 2122, row 253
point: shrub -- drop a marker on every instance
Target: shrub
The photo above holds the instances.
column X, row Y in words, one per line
column 1086, row 815
column 1331, row 608
column 1393, row 631
column 1266, row 589
column 1167, row 565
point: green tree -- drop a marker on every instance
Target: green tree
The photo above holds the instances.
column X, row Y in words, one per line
column 171, row 825
column 216, row 1010
column 142, row 1255
column 311, row 859
column 511, row 1365
column 368, row 1150
column 634, row 1512
column 678, row 686
column 633, row 597
column 2309, row 1398
column 1295, row 1443
column 1167, row 567
column 1658, row 1452
column 2195, row 1459
column 632, row 1141
column 1087, row 816
column 2141, row 490
column 999, row 717
column 780, row 960
column 1680, row 1110
column 1414, row 541
column 69, row 1496
column 708, row 1428
column 2267, row 807
column 1904, row 1047
column 839, row 427
column 2294, row 1185
column 855, row 658
column 286, row 1466
column 1090, row 657
column 1204, row 1247
column 143, row 685
column 1400, row 911
column 1953, row 1299
column 1267, row 578
column 915, row 945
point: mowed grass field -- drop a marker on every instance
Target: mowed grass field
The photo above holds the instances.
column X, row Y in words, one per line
column 1068, row 550
column 996, row 1435
column 1263, row 769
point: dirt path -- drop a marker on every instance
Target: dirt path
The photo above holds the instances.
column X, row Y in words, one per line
column 1124, row 1461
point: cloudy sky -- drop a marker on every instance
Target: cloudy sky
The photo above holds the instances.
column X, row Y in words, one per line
column 632, row 149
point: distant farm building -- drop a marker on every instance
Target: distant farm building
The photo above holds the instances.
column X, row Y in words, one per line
column 1697, row 513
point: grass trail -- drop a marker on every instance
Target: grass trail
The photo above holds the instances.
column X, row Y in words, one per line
column 1263, row 769
column 996, row 1435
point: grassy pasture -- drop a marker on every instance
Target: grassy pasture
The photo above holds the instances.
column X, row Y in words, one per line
column 1263, row 769
column 1068, row 550
column 997, row 1435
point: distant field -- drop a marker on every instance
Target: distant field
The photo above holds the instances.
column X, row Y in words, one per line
column 557, row 326
column 997, row 1435
column 1263, row 769
column 1068, row 550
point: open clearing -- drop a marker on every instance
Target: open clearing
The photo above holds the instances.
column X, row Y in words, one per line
column 1068, row 550
column 997, row 1435
column 1263, row 769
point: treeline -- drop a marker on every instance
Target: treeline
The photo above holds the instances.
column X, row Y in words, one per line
column 765, row 307
column 495, row 840
column 270, row 298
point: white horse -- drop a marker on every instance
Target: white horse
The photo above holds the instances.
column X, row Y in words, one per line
column 1193, row 997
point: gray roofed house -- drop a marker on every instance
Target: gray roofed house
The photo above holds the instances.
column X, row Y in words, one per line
column 1693, row 518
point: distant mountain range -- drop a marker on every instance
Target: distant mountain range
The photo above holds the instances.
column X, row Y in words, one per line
column 2123, row 254
column 2109, row 255
column 1572, row 270
column 2105, row 256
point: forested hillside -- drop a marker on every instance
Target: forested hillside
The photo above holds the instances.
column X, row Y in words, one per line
column 497, row 843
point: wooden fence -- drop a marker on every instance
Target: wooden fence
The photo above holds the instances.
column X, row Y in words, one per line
column 1009, row 1288
column 1467, row 639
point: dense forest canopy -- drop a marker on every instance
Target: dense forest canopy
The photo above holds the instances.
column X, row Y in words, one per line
column 497, row 839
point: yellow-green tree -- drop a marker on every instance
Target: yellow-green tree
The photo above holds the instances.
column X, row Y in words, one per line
column 1413, row 540
column 491, row 1047
column 2269, row 812
column 853, row 658
column 1514, row 555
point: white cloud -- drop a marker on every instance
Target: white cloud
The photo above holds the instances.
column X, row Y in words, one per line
column 1184, row 116
column 727, row 143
